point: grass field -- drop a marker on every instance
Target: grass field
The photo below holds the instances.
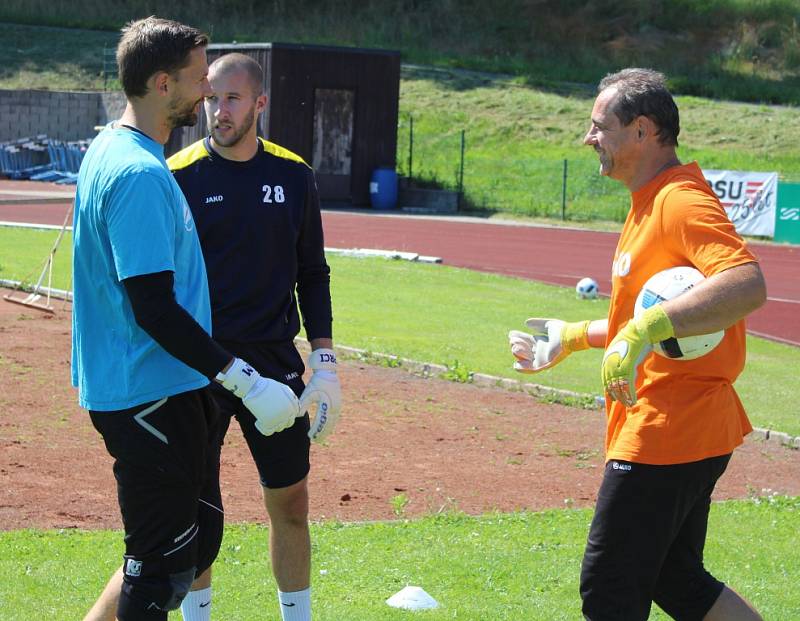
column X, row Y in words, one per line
column 463, row 324
column 505, row 567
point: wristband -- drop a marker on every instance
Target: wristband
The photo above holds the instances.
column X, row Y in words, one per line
column 322, row 360
column 656, row 324
column 239, row 378
column 575, row 336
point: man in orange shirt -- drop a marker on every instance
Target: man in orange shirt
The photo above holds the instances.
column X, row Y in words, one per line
column 672, row 424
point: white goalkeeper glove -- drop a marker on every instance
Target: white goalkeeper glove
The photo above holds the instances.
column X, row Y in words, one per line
column 550, row 341
column 273, row 404
column 323, row 389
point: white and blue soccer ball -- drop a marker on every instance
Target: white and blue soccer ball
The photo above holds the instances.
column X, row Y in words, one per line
column 587, row 289
column 667, row 285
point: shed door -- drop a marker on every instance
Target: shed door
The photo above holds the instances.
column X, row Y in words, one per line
column 333, row 142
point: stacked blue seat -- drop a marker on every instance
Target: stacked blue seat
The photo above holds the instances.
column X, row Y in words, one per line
column 40, row 158
column 23, row 157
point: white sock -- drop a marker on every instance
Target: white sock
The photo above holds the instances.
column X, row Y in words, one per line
column 296, row 605
column 196, row 606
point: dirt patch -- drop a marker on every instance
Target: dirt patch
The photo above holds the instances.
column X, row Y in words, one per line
column 405, row 445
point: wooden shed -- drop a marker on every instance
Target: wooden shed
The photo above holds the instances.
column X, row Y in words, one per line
column 334, row 106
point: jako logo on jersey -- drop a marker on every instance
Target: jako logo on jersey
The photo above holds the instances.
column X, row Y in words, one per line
column 214, row 199
column 622, row 265
column 133, row 567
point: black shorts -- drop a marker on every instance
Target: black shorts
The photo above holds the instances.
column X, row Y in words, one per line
column 646, row 542
column 282, row 459
column 166, row 463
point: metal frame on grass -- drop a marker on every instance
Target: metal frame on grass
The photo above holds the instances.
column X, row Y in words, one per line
column 32, row 300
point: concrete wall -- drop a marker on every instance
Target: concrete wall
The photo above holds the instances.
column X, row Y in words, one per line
column 111, row 107
column 60, row 115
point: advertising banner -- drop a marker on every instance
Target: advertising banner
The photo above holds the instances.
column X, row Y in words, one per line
column 749, row 198
column 787, row 224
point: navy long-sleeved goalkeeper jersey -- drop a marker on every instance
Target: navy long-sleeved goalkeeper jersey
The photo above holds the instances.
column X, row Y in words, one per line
column 260, row 229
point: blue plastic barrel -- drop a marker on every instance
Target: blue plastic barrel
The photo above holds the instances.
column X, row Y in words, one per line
column 383, row 188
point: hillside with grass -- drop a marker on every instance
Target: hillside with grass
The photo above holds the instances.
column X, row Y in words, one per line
column 733, row 49
column 517, row 80
column 518, row 138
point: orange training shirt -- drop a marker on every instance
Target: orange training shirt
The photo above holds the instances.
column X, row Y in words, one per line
column 687, row 410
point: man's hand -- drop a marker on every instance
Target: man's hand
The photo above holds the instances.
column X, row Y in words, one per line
column 323, row 389
column 550, row 341
column 629, row 348
column 273, row 404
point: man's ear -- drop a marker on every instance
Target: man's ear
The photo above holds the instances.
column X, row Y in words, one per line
column 646, row 127
column 261, row 104
column 160, row 82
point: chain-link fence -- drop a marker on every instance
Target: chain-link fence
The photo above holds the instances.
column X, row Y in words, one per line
column 429, row 158
column 544, row 185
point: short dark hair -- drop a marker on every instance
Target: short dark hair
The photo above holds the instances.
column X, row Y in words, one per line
column 151, row 45
column 643, row 92
column 235, row 61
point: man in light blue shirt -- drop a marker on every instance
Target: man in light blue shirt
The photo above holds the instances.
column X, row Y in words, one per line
column 131, row 220
column 142, row 354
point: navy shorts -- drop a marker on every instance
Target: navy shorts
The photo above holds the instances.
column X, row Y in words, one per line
column 282, row 459
column 646, row 542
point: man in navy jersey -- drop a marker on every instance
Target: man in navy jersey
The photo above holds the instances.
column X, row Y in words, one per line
column 142, row 356
column 256, row 210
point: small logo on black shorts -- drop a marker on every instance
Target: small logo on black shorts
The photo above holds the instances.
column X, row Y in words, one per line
column 133, row 568
column 618, row 466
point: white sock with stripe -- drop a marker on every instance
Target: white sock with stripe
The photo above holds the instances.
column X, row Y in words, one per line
column 196, row 606
column 295, row 605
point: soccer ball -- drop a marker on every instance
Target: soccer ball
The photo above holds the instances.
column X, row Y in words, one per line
column 587, row 289
column 670, row 284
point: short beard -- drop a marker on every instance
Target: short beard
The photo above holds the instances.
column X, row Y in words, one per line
column 238, row 134
column 182, row 117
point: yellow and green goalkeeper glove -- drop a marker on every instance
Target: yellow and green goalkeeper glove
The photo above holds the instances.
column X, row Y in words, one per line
column 628, row 349
column 550, row 341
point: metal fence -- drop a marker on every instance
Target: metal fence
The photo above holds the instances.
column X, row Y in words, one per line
column 549, row 186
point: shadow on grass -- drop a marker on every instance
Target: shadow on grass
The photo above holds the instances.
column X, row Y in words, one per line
column 580, row 80
column 44, row 57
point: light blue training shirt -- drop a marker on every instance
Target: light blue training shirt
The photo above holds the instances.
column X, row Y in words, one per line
column 131, row 219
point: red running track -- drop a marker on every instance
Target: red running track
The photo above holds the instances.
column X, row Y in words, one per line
column 551, row 255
